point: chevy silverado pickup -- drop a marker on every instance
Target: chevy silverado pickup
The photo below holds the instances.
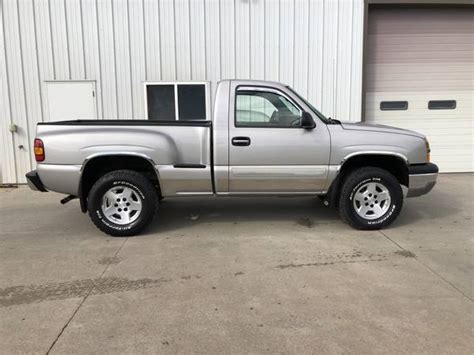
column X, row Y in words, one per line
column 264, row 139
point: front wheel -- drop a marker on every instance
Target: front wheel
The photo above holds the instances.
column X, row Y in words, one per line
column 371, row 198
column 122, row 203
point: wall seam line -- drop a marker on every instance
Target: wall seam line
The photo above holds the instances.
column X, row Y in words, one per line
column 322, row 57
column 175, row 45
column 190, row 42
column 115, row 60
column 37, row 63
column 144, row 41
column 22, row 63
column 67, row 41
column 159, row 40
column 130, row 58
column 100, row 60
column 52, row 39
column 82, row 39
column 351, row 59
column 307, row 53
column 8, row 92
column 205, row 41
column 220, row 41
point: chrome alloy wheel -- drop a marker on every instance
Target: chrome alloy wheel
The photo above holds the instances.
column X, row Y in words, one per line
column 121, row 205
column 371, row 200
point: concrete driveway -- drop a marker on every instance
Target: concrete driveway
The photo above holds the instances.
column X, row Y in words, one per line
column 270, row 275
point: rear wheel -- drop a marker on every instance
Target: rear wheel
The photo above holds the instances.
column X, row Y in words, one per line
column 122, row 203
column 371, row 198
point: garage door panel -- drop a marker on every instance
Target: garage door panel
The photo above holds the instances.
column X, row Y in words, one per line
column 430, row 56
column 436, row 46
column 443, row 20
column 461, row 115
column 418, row 54
column 435, row 83
column 429, row 42
column 440, row 74
column 428, row 68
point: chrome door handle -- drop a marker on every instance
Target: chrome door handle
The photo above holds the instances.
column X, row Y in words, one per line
column 241, row 141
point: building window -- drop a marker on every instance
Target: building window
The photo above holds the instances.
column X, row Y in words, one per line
column 177, row 101
column 393, row 105
column 442, row 104
column 265, row 109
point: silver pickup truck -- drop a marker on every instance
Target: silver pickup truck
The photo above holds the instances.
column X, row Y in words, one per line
column 264, row 139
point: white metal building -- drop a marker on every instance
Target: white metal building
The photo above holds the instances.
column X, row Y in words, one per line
column 383, row 61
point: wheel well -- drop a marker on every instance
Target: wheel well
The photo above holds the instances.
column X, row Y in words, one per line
column 394, row 165
column 99, row 166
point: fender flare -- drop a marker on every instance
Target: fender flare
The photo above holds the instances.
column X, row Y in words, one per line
column 81, row 195
column 335, row 184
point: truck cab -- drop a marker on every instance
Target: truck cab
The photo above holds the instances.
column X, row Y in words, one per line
column 267, row 141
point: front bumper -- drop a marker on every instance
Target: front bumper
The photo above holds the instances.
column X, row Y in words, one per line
column 34, row 181
column 422, row 179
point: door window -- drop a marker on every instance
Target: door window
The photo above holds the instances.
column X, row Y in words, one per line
column 265, row 109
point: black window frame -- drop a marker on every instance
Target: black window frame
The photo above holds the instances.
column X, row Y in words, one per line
column 175, row 85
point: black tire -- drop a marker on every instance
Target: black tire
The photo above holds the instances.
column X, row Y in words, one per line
column 355, row 181
column 140, row 186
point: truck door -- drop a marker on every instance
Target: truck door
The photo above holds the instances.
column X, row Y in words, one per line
column 269, row 151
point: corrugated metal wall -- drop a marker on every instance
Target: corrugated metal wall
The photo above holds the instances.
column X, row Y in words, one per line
column 313, row 45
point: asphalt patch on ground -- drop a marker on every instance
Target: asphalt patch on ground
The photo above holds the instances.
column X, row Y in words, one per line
column 17, row 295
column 349, row 258
column 405, row 253
column 109, row 260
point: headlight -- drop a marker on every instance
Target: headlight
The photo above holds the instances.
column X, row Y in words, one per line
column 428, row 150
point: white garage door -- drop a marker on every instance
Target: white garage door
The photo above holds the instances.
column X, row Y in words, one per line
column 420, row 77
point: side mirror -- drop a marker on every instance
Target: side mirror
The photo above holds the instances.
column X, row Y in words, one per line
column 307, row 121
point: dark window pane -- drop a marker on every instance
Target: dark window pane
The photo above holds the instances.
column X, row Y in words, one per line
column 192, row 102
column 393, row 105
column 442, row 104
column 160, row 100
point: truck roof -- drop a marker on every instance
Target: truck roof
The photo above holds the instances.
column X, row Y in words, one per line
column 255, row 82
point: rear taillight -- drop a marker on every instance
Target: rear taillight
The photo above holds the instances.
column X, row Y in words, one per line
column 39, row 150
column 428, row 150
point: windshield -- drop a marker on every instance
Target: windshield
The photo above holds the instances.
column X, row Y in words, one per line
column 311, row 107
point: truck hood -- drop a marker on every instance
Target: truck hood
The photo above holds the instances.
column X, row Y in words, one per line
column 361, row 126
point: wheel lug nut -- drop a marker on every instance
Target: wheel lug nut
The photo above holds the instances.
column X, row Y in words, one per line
column 120, row 210
column 116, row 205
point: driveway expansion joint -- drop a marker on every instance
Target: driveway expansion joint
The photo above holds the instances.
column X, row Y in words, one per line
column 83, row 300
column 427, row 267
